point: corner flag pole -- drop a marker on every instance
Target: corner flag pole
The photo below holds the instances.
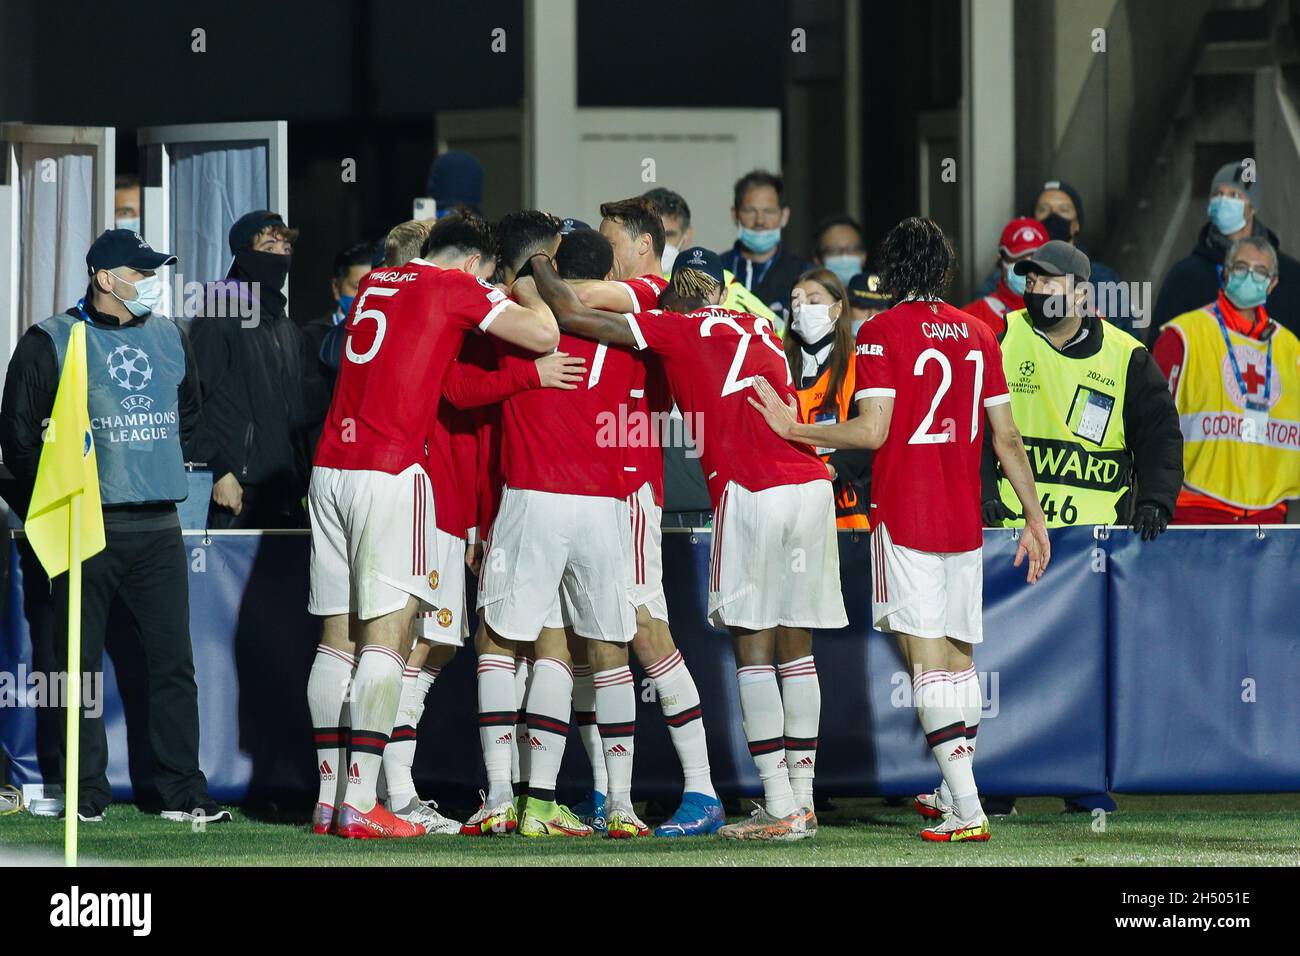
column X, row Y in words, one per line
column 72, row 774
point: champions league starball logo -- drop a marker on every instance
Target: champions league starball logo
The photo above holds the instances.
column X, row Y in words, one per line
column 129, row 367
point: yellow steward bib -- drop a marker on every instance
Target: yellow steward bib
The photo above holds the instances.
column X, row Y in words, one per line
column 1071, row 414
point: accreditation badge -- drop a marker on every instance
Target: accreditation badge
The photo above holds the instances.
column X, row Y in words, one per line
column 825, row 418
column 1090, row 414
column 1254, row 423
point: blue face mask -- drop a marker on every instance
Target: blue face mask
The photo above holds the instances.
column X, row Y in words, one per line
column 758, row 240
column 845, row 267
column 1228, row 214
column 1016, row 283
column 345, row 304
column 1246, row 291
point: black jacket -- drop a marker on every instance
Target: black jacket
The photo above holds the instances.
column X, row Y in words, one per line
column 30, row 386
column 1194, row 282
column 1150, row 427
column 255, row 375
column 782, row 272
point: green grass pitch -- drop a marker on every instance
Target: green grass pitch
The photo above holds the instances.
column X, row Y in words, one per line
column 1253, row 830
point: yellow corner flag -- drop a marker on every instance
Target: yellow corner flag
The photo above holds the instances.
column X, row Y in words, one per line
column 65, row 525
column 67, row 468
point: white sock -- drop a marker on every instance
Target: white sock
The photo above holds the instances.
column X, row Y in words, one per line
column 764, row 718
column 680, row 702
column 616, row 718
column 801, row 697
column 376, row 689
column 550, row 695
column 940, row 715
column 327, row 699
column 522, row 755
column 399, row 755
column 970, row 697
column 496, row 722
column 584, row 715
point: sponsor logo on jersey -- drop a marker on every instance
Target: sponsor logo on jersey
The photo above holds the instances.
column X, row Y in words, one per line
column 870, row 348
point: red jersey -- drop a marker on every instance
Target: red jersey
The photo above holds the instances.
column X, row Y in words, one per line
column 569, row 442
column 406, row 327
column 651, row 400
column 942, row 368
column 472, row 385
column 993, row 309
column 710, row 356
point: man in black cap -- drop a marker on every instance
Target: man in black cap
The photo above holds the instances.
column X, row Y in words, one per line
column 1059, row 207
column 260, row 390
column 867, row 298
column 144, row 401
column 1095, row 414
column 1232, row 213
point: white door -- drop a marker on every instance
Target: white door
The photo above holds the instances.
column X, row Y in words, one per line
column 56, row 196
column 197, row 179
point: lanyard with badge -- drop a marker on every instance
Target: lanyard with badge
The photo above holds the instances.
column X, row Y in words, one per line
column 1255, row 417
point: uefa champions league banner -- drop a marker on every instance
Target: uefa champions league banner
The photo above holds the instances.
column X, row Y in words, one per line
column 1116, row 662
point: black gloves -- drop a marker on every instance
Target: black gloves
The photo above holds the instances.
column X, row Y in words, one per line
column 993, row 512
column 1150, row 520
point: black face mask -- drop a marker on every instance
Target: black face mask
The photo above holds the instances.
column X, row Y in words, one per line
column 268, row 268
column 1045, row 310
column 1058, row 227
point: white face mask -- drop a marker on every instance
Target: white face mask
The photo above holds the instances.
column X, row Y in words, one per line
column 148, row 294
column 812, row 321
column 669, row 257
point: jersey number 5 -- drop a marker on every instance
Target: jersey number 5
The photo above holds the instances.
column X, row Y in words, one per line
column 923, row 435
column 375, row 315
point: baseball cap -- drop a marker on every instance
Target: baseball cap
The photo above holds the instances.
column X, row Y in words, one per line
column 701, row 260
column 1056, row 258
column 1063, row 186
column 122, row 247
column 1230, row 174
column 867, row 291
column 1020, row 236
column 569, row 225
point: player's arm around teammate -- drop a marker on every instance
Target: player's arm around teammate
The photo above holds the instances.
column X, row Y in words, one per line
column 871, row 428
column 570, row 312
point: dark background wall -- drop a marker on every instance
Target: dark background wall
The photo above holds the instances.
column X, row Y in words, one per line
column 365, row 79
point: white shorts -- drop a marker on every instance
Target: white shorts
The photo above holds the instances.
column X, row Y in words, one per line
column 445, row 622
column 926, row 593
column 776, row 560
column 370, row 537
column 647, row 553
column 543, row 544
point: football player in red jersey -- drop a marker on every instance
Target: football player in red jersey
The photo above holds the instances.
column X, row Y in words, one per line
column 373, row 514
column 558, row 556
column 634, row 228
column 773, row 508
column 927, row 377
